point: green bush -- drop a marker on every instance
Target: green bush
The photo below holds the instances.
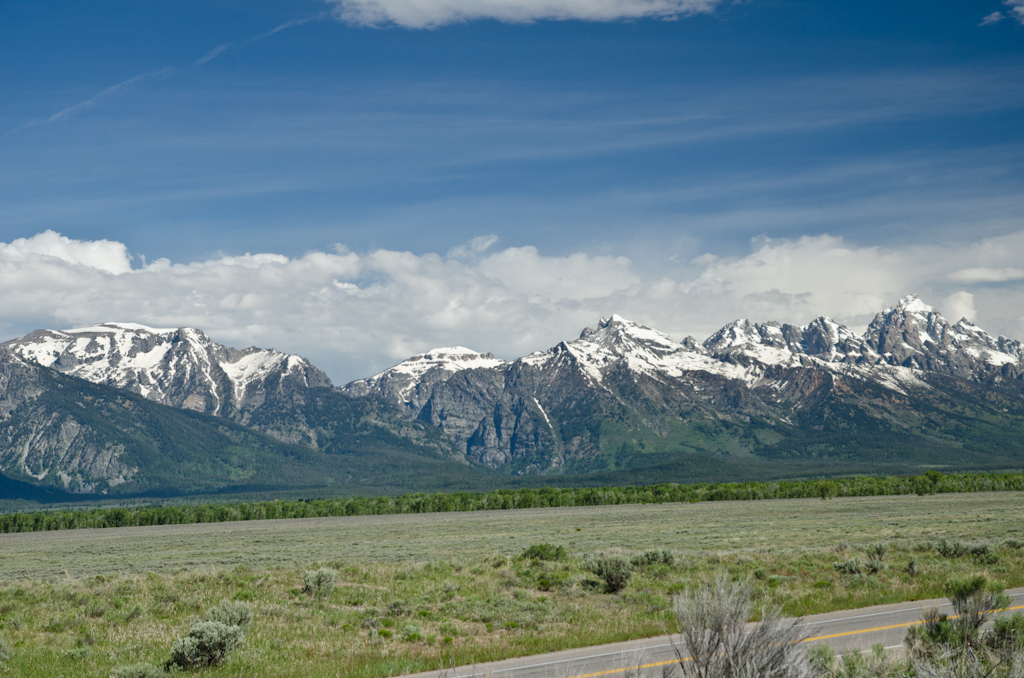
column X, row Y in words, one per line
column 545, row 552
column 208, row 643
column 973, row 600
column 141, row 670
column 230, row 614
column 874, row 566
column 1008, row 632
column 319, row 583
column 877, row 551
column 851, row 566
column 615, row 570
column 5, row 652
column 951, row 548
column 911, row 567
column 663, row 556
column 982, row 554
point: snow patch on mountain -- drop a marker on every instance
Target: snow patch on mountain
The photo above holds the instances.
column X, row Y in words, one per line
column 901, row 345
column 182, row 367
column 439, row 363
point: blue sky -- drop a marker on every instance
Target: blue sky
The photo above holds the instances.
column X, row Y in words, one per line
column 500, row 178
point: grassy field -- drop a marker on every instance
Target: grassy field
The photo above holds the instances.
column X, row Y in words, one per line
column 414, row 591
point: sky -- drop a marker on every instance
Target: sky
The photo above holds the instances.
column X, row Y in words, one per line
column 359, row 181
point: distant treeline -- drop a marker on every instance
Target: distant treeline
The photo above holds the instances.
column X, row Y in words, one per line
column 931, row 483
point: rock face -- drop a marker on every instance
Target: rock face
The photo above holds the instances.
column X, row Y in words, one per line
column 36, row 441
column 586, row 404
column 614, row 399
column 178, row 367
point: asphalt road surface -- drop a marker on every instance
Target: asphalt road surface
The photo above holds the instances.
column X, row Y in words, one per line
column 846, row 631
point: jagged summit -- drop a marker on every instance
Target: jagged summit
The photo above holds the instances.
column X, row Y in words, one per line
column 912, row 304
column 181, row 367
column 435, row 364
column 911, row 383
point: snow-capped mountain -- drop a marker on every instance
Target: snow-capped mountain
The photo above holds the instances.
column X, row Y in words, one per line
column 913, row 389
column 532, row 413
column 402, row 382
column 180, row 367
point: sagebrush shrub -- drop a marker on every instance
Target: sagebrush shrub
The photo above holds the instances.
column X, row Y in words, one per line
column 851, row 566
column 718, row 643
column 319, row 583
column 874, row 566
column 140, row 670
column 545, row 552
column 615, row 570
column 951, row 548
column 663, row 556
column 208, row 643
column 230, row 614
column 973, row 600
column 877, row 551
column 5, row 652
column 1008, row 632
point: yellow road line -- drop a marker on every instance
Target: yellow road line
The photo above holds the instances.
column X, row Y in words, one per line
column 807, row 640
column 894, row 626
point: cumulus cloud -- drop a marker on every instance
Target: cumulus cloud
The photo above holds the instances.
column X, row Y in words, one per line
column 356, row 313
column 434, row 13
column 101, row 255
column 959, row 305
column 993, row 18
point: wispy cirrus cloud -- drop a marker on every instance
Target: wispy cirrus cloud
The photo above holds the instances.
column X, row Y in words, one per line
column 220, row 49
column 286, row 25
column 91, row 102
column 993, row 18
column 213, row 54
column 436, row 13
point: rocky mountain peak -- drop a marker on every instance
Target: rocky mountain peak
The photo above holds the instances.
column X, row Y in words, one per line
column 437, row 364
column 181, row 367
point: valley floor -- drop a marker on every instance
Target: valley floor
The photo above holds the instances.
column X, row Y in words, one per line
column 414, row 591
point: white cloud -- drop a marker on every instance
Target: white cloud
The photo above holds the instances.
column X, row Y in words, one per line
column 474, row 247
column 101, row 255
column 974, row 275
column 959, row 305
column 434, row 13
column 1016, row 9
column 355, row 313
column 81, row 106
column 554, row 279
column 993, row 18
column 212, row 54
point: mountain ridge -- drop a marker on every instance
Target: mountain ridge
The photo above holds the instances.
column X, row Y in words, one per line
column 912, row 391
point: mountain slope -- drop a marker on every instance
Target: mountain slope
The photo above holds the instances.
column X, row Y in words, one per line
column 895, row 395
column 74, row 436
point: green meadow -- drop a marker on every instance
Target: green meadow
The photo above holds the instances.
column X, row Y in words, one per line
column 418, row 591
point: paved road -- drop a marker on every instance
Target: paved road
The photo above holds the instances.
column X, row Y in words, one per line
column 847, row 631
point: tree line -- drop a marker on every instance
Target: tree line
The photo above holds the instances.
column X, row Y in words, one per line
column 931, row 482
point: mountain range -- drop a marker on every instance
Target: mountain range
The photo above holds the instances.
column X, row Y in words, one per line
column 621, row 403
